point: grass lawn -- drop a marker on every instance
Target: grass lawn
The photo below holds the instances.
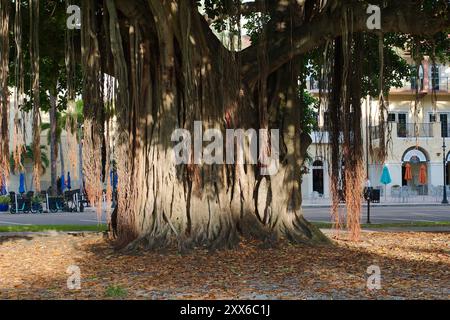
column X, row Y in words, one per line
column 414, row 224
column 103, row 227
column 62, row 228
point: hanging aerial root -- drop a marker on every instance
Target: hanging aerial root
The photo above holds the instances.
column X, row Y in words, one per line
column 4, row 93
column 71, row 128
column 354, row 181
column 35, row 59
column 93, row 105
column 92, row 165
column 71, row 125
column 18, row 134
column 335, row 112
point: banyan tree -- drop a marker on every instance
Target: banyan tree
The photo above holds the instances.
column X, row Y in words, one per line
column 175, row 63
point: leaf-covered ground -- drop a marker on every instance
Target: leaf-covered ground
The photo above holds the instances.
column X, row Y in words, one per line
column 413, row 265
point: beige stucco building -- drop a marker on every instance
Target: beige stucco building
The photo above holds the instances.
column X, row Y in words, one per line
column 414, row 137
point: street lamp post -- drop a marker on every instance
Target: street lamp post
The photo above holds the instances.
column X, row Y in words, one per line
column 444, row 200
column 369, row 192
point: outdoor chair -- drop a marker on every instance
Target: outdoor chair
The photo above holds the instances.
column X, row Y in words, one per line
column 433, row 192
column 83, row 200
column 396, row 193
column 405, row 193
column 381, row 188
column 315, row 196
column 57, row 203
column 439, row 192
column 19, row 204
column 71, row 199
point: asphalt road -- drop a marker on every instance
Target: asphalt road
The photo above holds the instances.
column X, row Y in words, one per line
column 392, row 214
column 378, row 215
column 74, row 218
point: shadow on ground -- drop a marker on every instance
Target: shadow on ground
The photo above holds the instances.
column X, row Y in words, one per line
column 413, row 266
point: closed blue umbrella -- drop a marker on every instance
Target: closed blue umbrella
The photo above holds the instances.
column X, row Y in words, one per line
column 63, row 183
column 114, row 179
column 22, row 183
column 3, row 190
column 385, row 179
column 69, row 182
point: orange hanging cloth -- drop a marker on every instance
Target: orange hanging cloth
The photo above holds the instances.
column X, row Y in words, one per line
column 423, row 175
column 408, row 173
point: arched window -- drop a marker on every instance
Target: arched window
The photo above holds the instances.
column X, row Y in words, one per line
column 415, row 155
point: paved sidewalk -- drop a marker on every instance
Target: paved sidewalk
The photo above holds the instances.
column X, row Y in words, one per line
column 384, row 202
column 387, row 214
column 51, row 233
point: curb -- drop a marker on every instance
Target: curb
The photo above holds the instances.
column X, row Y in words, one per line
column 47, row 234
column 400, row 205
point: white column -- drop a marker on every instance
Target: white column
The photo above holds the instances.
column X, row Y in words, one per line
column 306, row 186
column 395, row 170
column 326, row 181
column 436, row 174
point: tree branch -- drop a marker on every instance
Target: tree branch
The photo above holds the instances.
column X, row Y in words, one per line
column 399, row 17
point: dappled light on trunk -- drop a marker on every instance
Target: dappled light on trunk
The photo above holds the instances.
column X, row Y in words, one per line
column 171, row 71
column 18, row 137
column 4, row 92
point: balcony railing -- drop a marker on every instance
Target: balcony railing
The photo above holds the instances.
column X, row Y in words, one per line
column 434, row 130
column 440, row 85
column 413, row 130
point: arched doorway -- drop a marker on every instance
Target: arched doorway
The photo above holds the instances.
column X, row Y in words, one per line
column 318, row 177
column 415, row 158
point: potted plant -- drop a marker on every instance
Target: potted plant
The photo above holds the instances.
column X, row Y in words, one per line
column 36, row 204
column 4, row 203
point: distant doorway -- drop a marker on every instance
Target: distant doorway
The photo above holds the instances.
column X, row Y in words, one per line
column 447, row 175
column 318, row 177
column 416, row 158
column 404, row 181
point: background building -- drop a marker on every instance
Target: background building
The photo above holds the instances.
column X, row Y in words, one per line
column 415, row 138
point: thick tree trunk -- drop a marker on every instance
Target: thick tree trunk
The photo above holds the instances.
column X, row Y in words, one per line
column 53, row 143
column 35, row 70
column 173, row 71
